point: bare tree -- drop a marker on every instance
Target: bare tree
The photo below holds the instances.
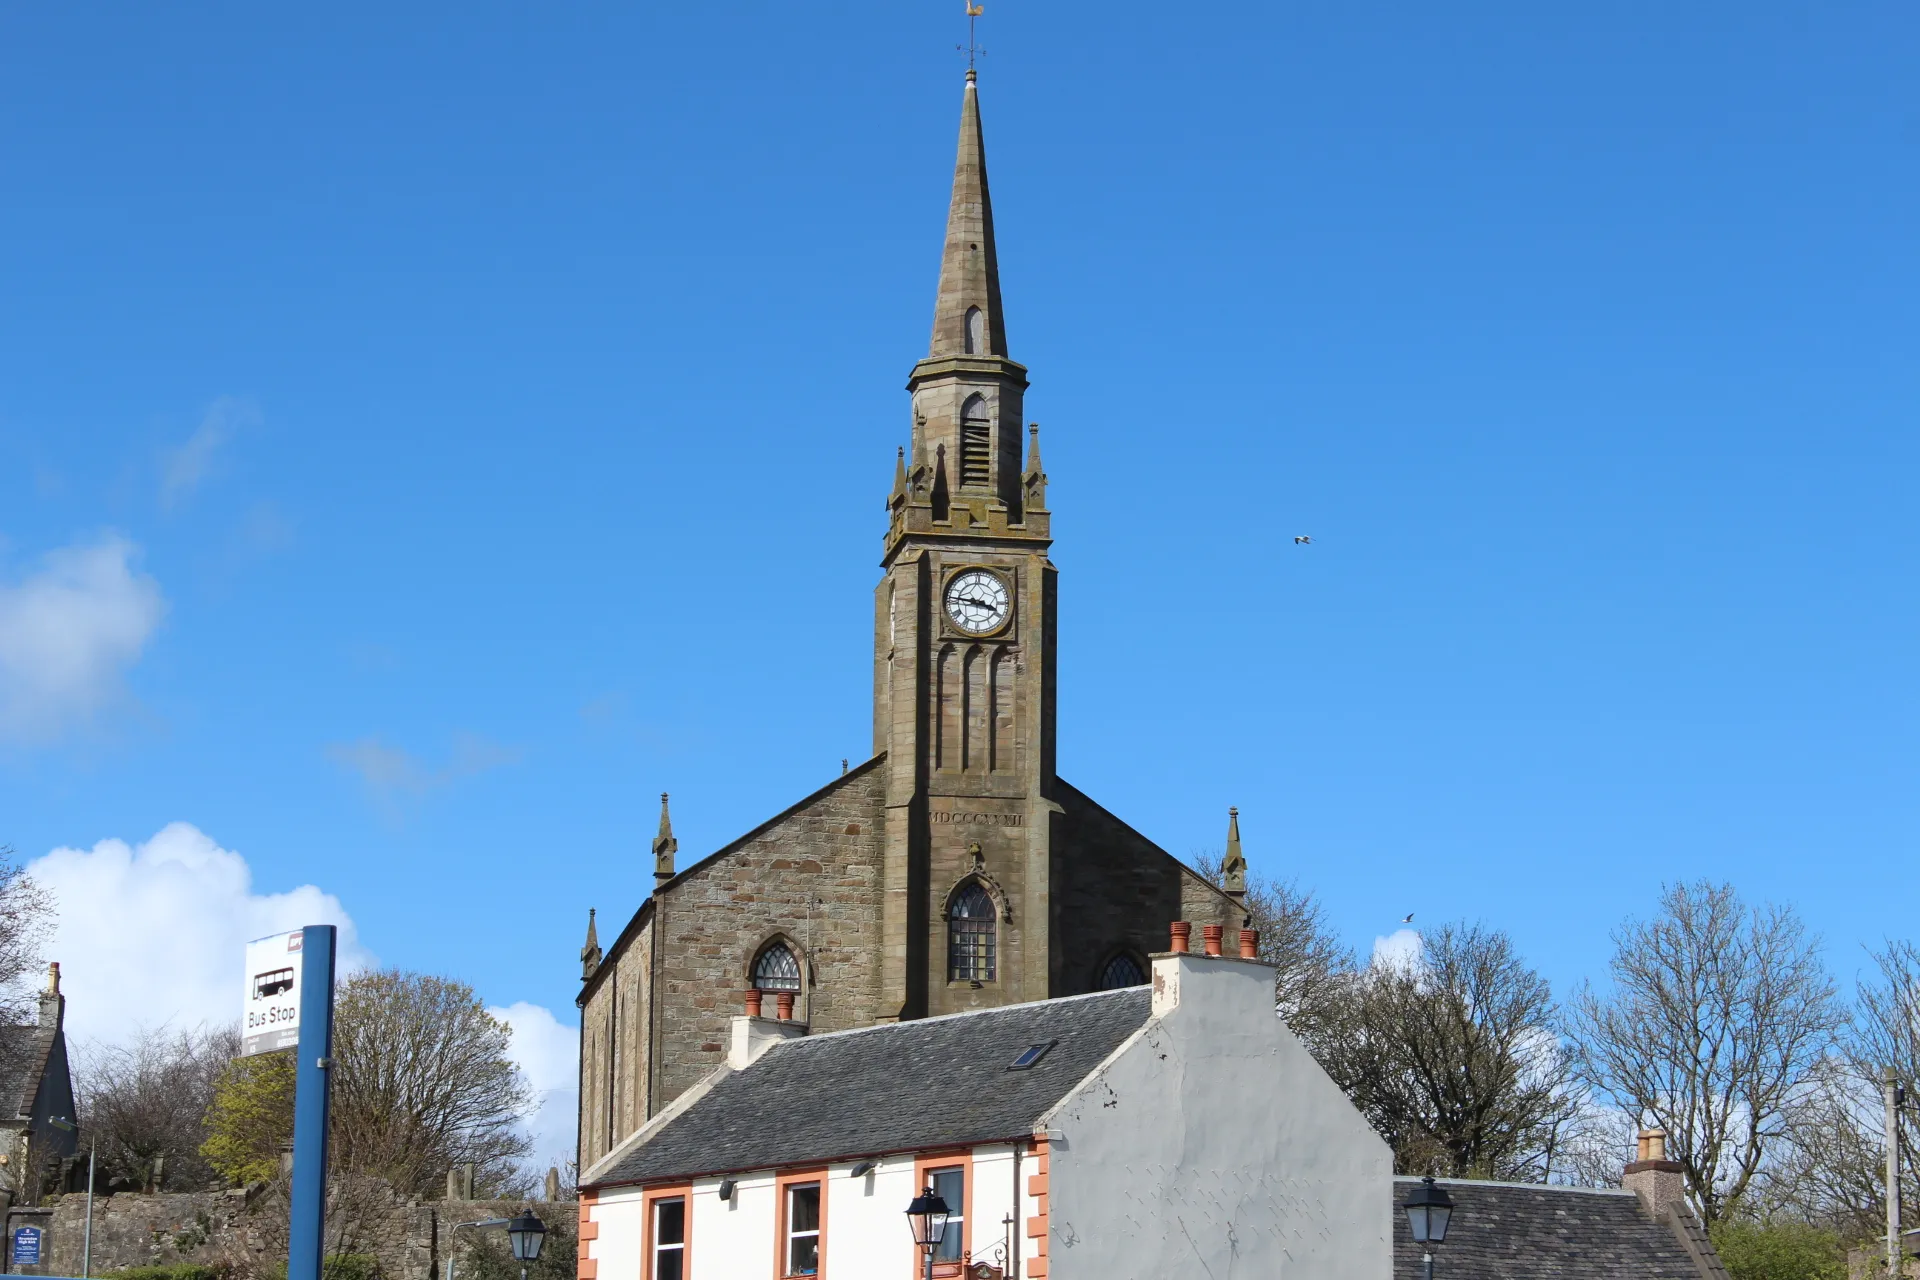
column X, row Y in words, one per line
column 1719, row 1019
column 1453, row 1058
column 424, row 1081
column 1314, row 968
column 26, row 916
column 146, row 1103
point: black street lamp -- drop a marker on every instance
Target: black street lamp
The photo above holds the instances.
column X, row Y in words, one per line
column 1428, row 1211
column 527, row 1234
column 927, row 1216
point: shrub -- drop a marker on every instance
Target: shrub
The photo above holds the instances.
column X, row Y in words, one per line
column 1756, row 1250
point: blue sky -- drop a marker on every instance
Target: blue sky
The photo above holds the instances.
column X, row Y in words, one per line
column 427, row 435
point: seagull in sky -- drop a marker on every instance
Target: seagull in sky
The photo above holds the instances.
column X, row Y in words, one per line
column 1407, row 919
column 1301, row 539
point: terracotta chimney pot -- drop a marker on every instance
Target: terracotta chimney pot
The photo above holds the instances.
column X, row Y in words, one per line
column 1213, row 933
column 1249, row 945
column 753, row 1002
column 783, row 1002
column 1181, row 932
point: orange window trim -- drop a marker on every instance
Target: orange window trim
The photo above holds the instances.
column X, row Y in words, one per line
column 585, row 1266
column 924, row 1166
column 782, row 1181
column 651, row 1197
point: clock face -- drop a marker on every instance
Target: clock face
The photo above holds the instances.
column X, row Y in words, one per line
column 977, row 602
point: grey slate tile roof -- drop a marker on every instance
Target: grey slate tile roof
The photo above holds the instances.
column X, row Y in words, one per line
column 1504, row 1231
column 904, row 1086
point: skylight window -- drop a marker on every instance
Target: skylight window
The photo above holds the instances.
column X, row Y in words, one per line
column 1030, row 1055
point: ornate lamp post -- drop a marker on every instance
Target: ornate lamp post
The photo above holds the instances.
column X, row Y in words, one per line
column 1429, row 1208
column 527, row 1234
column 927, row 1216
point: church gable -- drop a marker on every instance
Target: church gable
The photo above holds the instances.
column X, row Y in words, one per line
column 1114, row 892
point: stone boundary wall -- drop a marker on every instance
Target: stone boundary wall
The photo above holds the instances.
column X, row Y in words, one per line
column 246, row 1231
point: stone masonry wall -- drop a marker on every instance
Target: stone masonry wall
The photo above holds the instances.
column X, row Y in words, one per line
column 248, row 1235
column 1115, row 889
column 811, row 877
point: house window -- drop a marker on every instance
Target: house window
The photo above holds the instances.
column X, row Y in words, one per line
column 1121, row 971
column 803, row 1229
column 669, row 1239
column 776, row 969
column 951, row 1185
column 970, row 935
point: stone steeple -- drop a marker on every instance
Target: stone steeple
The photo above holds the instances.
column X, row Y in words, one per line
column 963, row 474
column 967, row 319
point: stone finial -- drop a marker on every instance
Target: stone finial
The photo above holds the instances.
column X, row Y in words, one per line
column 553, row 1184
column 590, row 953
column 1035, row 479
column 1233, row 867
column 664, row 845
column 900, row 485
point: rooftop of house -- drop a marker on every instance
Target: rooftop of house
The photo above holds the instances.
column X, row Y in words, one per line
column 1525, row 1231
column 904, row 1086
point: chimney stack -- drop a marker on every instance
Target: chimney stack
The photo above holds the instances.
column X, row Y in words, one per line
column 1657, row 1180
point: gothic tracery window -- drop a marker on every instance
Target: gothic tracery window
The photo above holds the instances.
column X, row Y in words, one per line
column 971, row 935
column 776, row 969
column 1121, row 971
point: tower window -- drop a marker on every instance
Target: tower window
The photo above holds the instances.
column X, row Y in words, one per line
column 976, row 332
column 971, row 935
column 1121, row 971
column 776, row 969
column 976, row 444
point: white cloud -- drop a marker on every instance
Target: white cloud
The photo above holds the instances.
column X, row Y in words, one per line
column 1402, row 949
column 69, row 632
column 392, row 773
column 154, row 933
column 184, row 467
column 548, row 1051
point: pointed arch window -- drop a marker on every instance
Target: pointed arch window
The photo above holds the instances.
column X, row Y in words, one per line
column 1121, row 971
column 972, row 935
column 776, row 969
column 976, row 444
column 976, row 332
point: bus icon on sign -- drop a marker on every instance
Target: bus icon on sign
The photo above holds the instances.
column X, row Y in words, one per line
column 272, row 983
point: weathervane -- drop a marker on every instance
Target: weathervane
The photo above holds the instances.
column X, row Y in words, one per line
column 972, row 47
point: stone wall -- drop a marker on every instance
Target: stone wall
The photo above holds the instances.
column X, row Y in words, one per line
column 246, row 1233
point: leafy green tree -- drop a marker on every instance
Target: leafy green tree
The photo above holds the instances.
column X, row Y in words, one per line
column 251, row 1116
column 1754, row 1250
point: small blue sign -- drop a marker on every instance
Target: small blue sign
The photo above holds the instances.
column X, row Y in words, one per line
column 26, row 1246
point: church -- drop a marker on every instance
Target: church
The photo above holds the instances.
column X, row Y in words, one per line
column 955, row 869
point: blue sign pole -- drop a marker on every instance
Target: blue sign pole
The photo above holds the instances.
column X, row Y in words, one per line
column 314, row 1061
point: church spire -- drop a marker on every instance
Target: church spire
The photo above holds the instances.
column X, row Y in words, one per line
column 967, row 320
column 1233, row 867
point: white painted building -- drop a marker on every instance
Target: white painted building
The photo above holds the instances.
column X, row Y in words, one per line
column 1172, row 1130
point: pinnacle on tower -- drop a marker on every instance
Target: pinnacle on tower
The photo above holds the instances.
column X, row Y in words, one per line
column 1233, row 867
column 664, row 845
column 967, row 320
column 590, row 953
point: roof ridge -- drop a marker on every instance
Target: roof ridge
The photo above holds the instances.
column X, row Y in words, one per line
column 1519, row 1186
column 948, row 1017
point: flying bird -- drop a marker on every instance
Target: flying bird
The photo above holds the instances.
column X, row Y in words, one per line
column 1407, row 919
column 1301, row 539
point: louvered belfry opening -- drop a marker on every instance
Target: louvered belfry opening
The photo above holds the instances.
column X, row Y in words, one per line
column 976, row 444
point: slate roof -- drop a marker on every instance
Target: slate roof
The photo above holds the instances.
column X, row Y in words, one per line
column 905, row 1086
column 1512, row 1231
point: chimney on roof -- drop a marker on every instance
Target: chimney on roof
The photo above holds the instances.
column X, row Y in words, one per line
column 1657, row 1180
column 52, row 1003
column 753, row 1034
